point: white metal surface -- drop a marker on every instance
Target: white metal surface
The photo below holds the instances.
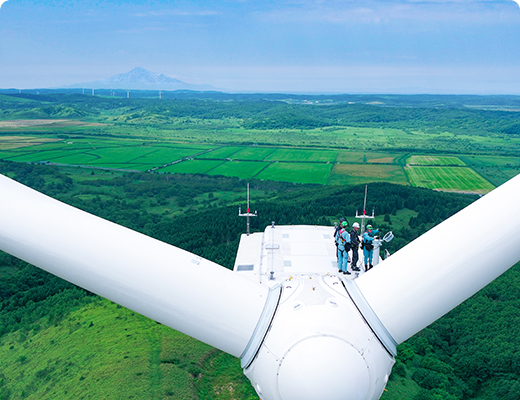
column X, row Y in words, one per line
column 170, row 285
column 319, row 347
column 442, row 268
column 287, row 251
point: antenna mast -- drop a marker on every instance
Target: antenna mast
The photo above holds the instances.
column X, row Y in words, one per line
column 247, row 214
column 364, row 215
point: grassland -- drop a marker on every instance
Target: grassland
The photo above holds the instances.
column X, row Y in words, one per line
column 495, row 169
column 221, row 153
column 253, row 153
column 104, row 351
column 296, row 155
column 361, row 173
column 193, row 166
column 299, row 173
column 240, row 169
column 16, row 142
column 435, row 160
column 461, row 179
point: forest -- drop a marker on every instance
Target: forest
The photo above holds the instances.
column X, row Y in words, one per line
column 433, row 114
column 471, row 353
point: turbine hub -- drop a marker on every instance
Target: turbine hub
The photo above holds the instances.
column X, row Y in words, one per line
column 319, row 346
column 337, row 370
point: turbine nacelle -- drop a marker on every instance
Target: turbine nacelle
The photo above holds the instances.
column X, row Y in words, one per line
column 319, row 346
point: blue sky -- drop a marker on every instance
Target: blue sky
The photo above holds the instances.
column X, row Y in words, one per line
column 392, row 46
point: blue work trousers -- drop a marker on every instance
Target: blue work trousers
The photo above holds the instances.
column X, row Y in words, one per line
column 342, row 259
column 368, row 256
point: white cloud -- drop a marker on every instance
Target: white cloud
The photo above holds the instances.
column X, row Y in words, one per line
column 181, row 13
column 2, row 2
column 375, row 12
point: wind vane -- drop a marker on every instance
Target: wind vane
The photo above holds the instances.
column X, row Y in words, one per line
column 364, row 215
column 247, row 214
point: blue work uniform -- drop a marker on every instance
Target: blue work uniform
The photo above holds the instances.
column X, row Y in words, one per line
column 368, row 239
column 343, row 240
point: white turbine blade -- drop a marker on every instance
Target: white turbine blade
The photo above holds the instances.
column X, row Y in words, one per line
column 165, row 283
column 451, row 262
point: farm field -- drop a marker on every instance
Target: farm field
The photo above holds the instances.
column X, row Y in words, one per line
column 353, row 174
column 16, row 142
column 296, row 155
column 297, row 172
column 357, row 157
column 460, row 179
column 240, row 169
column 319, row 166
column 253, row 153
column 193, row 166
column 220, row 153
column 435, row 160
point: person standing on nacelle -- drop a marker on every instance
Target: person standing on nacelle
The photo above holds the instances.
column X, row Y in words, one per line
column 354, row 245
column 343, row 241
column 368, row 246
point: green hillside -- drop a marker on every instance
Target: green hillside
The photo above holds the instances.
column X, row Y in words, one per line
column 103, row 351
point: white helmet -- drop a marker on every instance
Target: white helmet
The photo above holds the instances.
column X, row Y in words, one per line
column 355, row 225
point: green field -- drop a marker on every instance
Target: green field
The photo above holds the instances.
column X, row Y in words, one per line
column 358, row 157
column 296, row 155
column 354, row 174
column 240, row 169
column 331, row 166
column 36, row 156
column 269, row 163
column 435, row 160
column 77, row 159
column 192, row 166
column 253, row 153
column 299, row 173
column 460, row 179
column 221, row 153
column 161, row 156
column 495, row 169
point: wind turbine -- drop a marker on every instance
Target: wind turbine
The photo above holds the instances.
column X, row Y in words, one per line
column 300, row 335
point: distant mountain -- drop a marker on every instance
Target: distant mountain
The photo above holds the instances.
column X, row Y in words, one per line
column 141, row 79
